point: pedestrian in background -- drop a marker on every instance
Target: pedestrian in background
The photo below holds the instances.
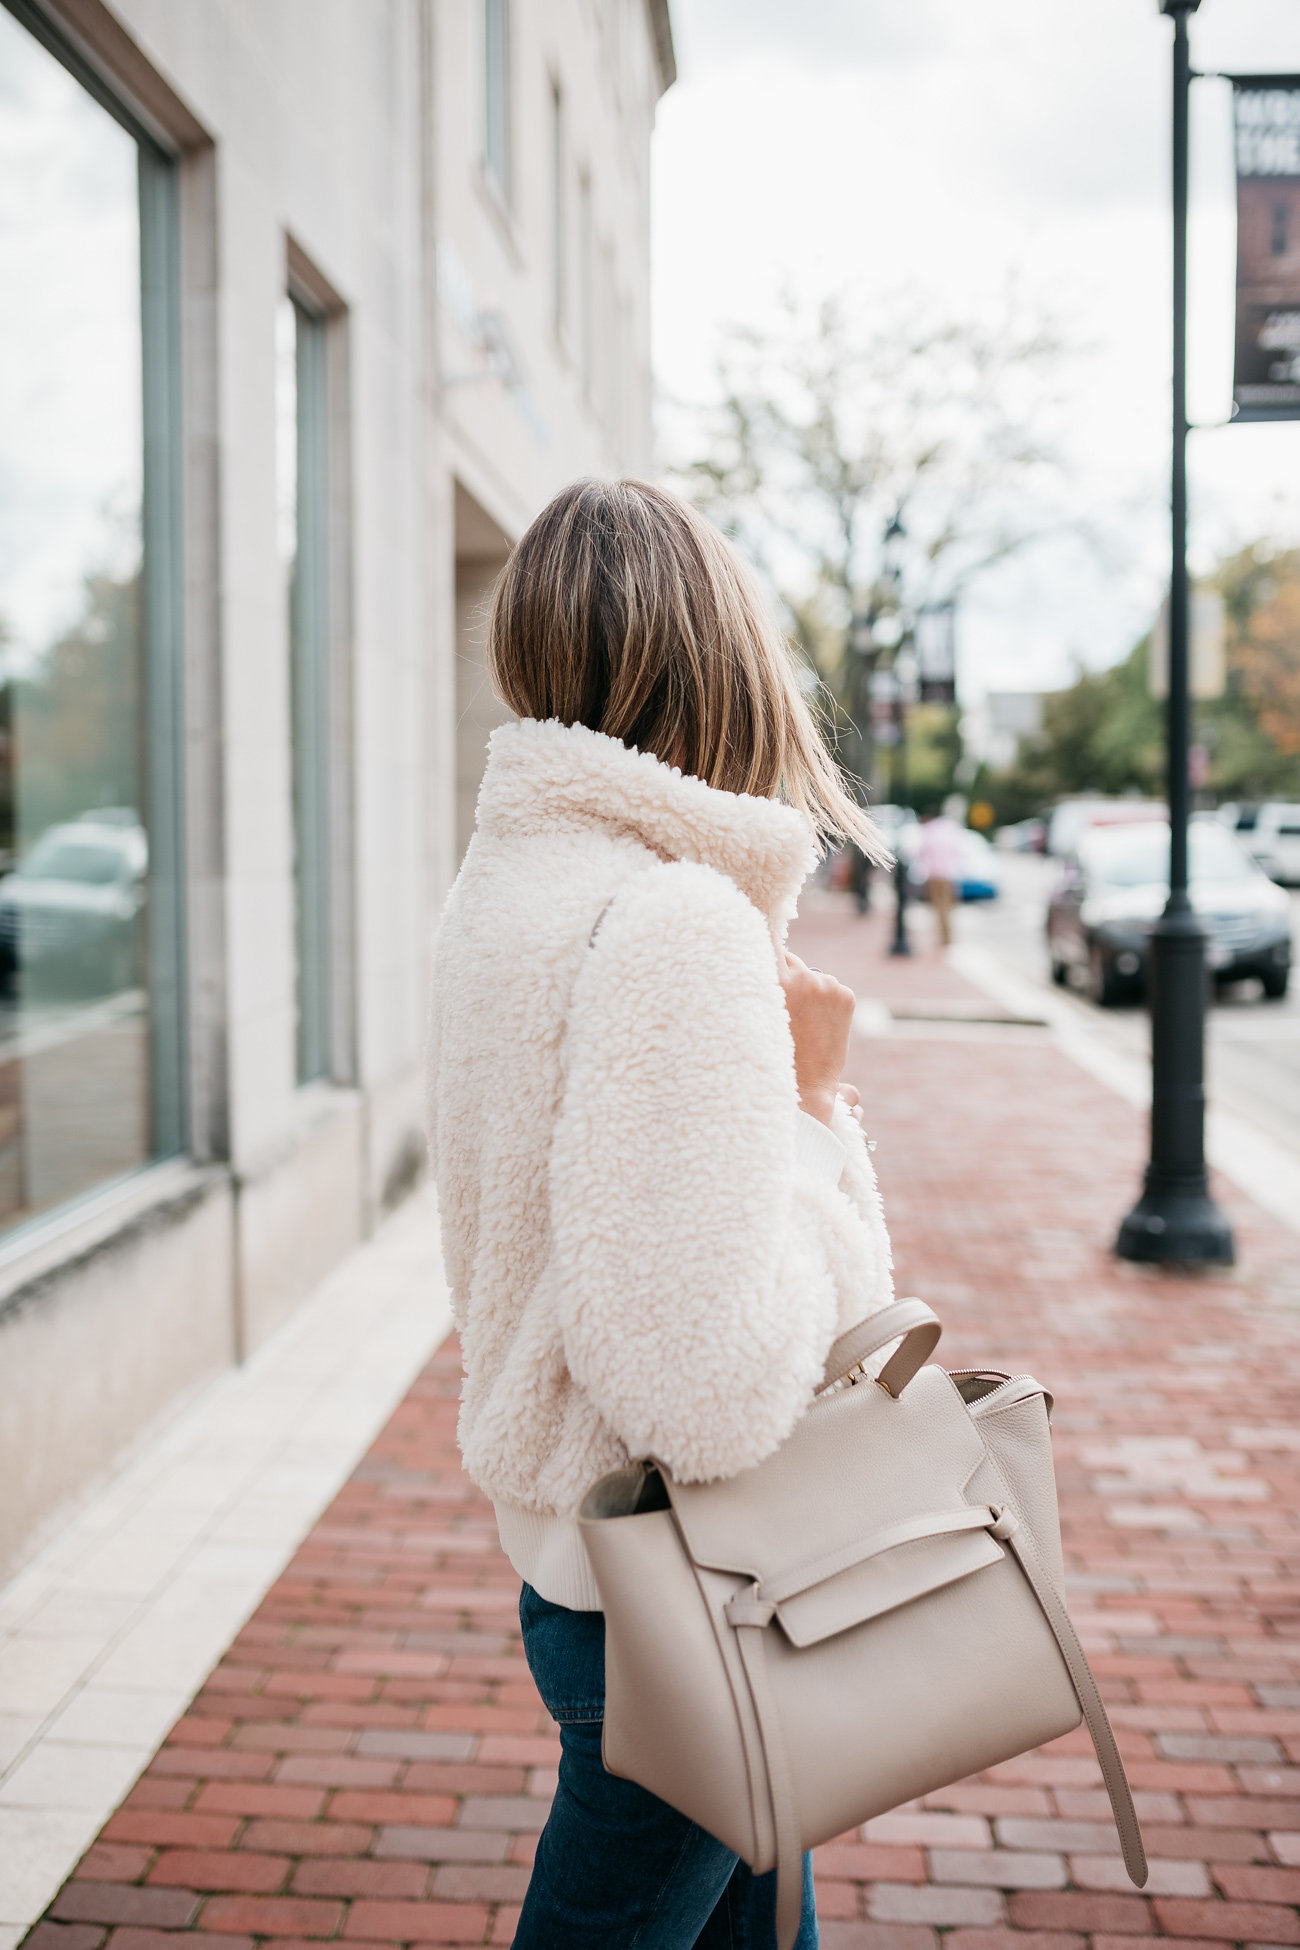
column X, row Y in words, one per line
column 658, row 1209
column 938, row 861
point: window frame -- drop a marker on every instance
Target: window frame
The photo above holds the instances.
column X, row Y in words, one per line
column 497, row 98
column 309, row 700
column 162, row 529
column 321, row 712
column 559, row 212
column 587, row 285
column 610, row 359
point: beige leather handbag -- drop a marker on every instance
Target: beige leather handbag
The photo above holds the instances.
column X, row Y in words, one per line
column 871, row 1613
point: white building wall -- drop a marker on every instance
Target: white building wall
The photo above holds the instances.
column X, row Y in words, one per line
column 356, row 131
column 512, row 445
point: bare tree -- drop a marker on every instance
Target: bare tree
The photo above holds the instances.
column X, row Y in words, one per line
column 832, row 426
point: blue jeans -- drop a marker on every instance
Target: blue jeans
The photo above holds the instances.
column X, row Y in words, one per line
column 617, row 1869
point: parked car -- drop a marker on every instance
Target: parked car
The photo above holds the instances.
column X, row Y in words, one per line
column 1073, row 817
column 1026, row 836
column 72, row 906
column 981, row 872
column 1115, row 885
column 1274, row 838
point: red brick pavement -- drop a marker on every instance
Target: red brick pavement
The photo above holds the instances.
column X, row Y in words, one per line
column 370, row 1762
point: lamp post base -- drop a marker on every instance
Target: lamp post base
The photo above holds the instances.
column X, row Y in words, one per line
column 1176, row 1224
column 1175, row 1221
column 900, row 945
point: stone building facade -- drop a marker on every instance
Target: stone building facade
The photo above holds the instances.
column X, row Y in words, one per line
column 316, row 302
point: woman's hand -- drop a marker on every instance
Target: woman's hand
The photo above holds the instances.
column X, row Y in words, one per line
column 853, row 1099
column 821, row 1019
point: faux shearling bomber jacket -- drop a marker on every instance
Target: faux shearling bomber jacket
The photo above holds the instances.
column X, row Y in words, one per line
column 650, row 1248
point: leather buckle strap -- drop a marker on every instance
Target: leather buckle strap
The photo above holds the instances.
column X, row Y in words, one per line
column 750, row 1607
column 770, row 1593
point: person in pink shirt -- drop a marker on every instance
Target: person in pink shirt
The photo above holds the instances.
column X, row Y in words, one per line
column 938, row 862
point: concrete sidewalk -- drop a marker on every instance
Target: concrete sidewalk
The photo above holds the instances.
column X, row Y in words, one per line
column 369, row 1760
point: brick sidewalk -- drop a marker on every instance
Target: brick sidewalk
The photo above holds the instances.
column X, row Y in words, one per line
column 370, row 1761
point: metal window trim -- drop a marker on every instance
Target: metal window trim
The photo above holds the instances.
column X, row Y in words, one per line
column 322, row 307
column 340, row 706
column 587, row 283
column 309, row 668
column 162, row 527
column 497, row 97
column 559, row 209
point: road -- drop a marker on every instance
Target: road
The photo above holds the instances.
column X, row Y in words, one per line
column 1253, row 1046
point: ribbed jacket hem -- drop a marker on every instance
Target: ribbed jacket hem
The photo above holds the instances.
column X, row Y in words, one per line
column 549, row 1554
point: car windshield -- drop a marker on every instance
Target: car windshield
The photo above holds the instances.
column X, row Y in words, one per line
column 1139, row 856
column 83, row 861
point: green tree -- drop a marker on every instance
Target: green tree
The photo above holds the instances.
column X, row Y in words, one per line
column 1252, row 733
column 1105, row 732
column 933, row 752
column 72, row 723
column 1101, row 734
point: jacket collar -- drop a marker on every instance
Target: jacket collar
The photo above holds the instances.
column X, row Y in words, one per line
column 540, row 775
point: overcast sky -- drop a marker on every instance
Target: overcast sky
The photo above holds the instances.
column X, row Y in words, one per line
column 850, row 145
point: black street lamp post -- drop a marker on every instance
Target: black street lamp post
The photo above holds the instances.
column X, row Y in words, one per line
column 862, row 661
column 900, row 945
column 1176, row 1220
column 895, row 534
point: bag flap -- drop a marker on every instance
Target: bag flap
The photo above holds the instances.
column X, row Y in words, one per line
column 883, row 1583
column 858, row 1461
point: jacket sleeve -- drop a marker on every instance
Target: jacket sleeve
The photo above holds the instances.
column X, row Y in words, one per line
column 858, row 1182
column 700, row 1274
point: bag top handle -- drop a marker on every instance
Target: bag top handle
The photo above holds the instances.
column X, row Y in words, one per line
column 920, row 1328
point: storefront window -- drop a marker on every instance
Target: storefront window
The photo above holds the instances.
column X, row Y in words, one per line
column 89, row 1060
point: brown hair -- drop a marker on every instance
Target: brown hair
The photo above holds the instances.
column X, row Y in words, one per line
column 624, row 609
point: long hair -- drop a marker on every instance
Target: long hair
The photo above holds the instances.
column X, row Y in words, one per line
column 624, row 609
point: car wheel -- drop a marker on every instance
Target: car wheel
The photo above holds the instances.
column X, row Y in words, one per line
column 1105, row 987
column 1060, row 974
column 1276, row 982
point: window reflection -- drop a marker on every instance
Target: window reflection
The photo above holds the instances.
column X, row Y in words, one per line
column 74, row 1011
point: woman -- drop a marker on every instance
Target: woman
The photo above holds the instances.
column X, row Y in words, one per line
column 658, row 1210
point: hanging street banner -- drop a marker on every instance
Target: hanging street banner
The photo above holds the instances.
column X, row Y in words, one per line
column 1266, row 368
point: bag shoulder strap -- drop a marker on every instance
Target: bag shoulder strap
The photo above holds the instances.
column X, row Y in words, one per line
column 1043, row 1586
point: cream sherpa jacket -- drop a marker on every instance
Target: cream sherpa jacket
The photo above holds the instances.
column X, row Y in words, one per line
column 647, row 1251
